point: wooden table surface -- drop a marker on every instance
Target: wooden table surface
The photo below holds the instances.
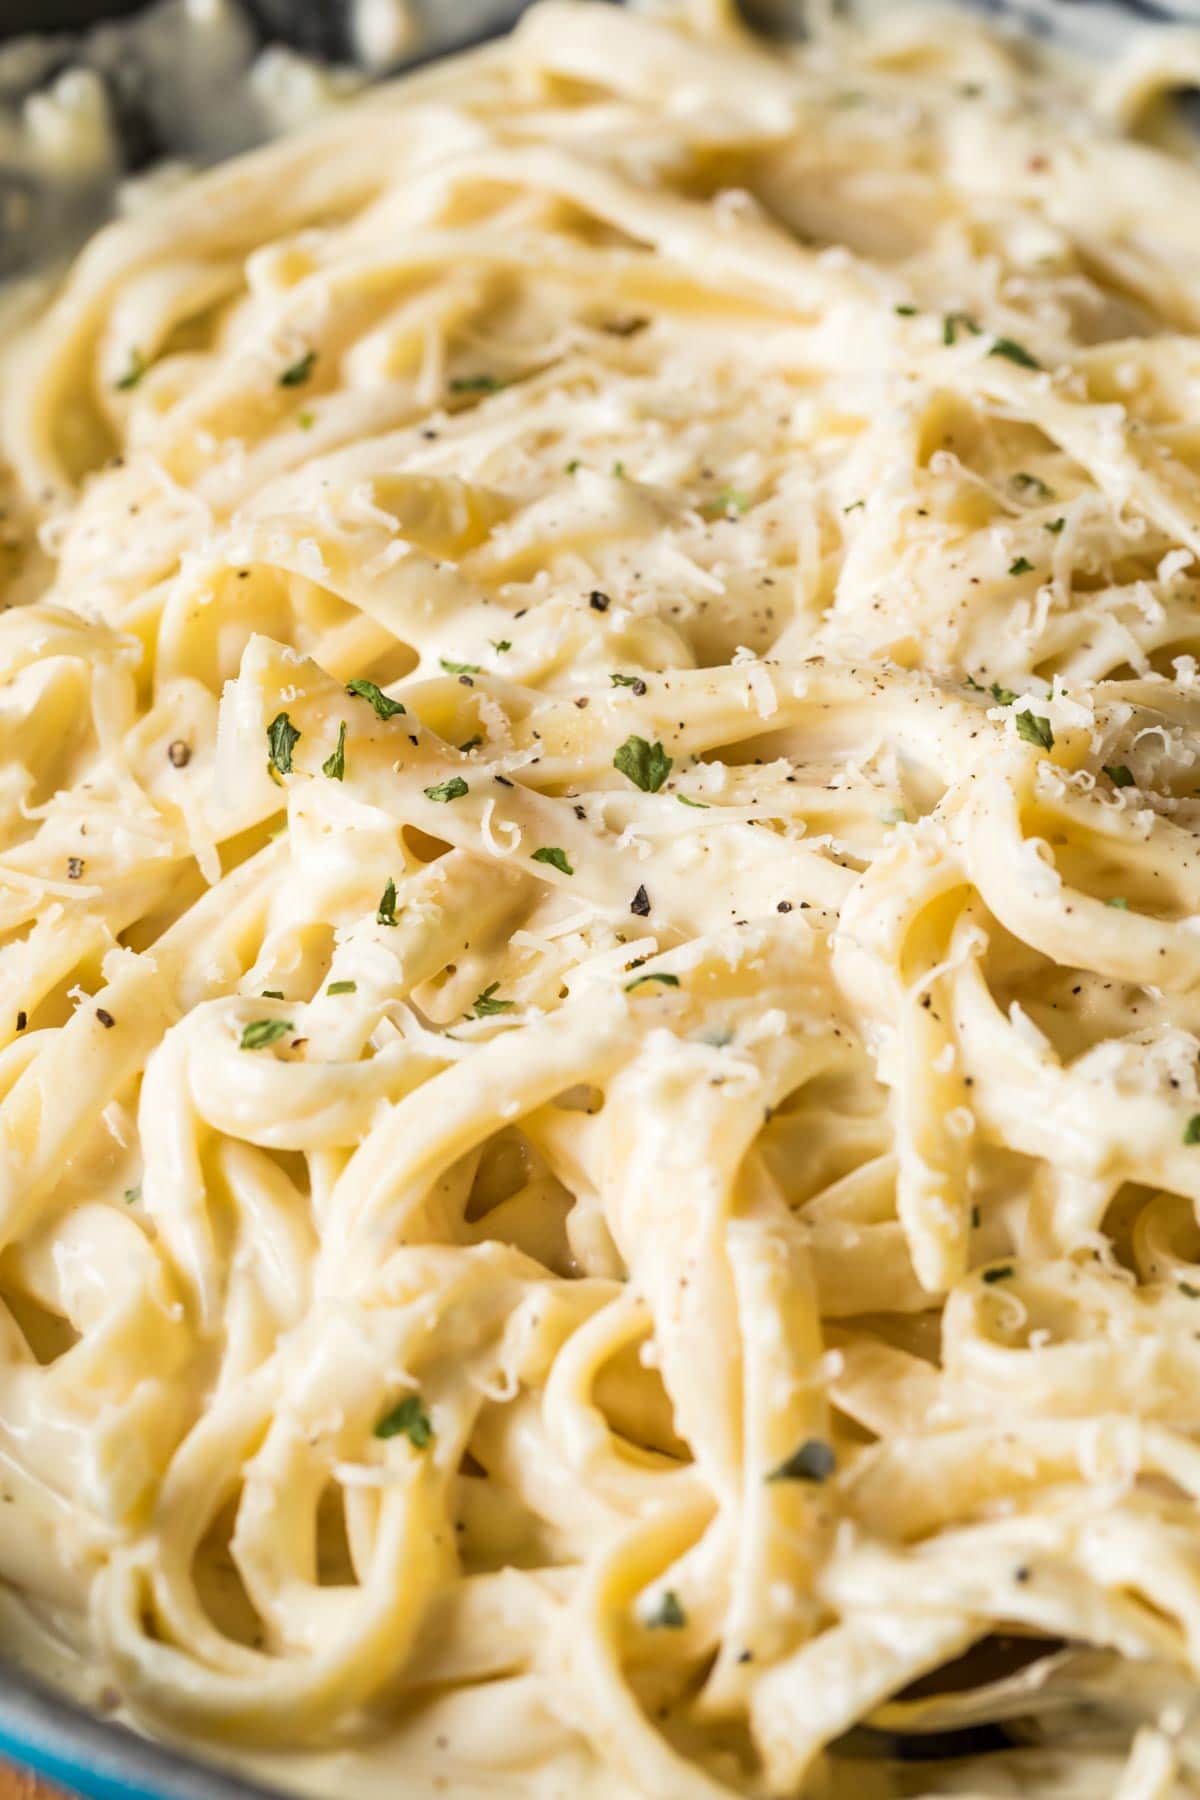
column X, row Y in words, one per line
column 19, row 1784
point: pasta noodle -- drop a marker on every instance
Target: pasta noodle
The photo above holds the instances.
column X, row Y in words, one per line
column 600, row 889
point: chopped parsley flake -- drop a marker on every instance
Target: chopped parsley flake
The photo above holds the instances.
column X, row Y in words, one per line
column 282, row 738
column 407, row 1419
column 1032, row 485
column 306, row 420
column 386, row 914
column 500, row 645
column 1191, row 1131
column 455, row 668
column 1193, row 1293
column 472, row 743
column 668, row 1614
column 133, row 1195
column 1003, row 1273
column 342, row 987
column 905, row 312
column 953, row 323
column 261, row 1032
column 297, row 373
column 618, row 470
column 813, row 1461
column 1022, row 566
column 1120, row 774
column 556, row 858
column 630, row 681
column 1119, row 901
column 454, row 789
column 646, row 765
column 476, row 384
column 1001, row 695
column 700, row 805
column 134, row 370
column 641, row 980
column 1035, row 730
column 732, row 500
column 1054, row 526
column 335, row 764
column 1014, row 352
column 366, row 690
column 485, row 1006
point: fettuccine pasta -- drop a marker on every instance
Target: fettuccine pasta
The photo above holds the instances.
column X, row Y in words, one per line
column 600, row 890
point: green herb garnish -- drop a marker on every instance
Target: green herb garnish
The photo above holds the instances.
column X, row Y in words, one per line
column 954, row 322
column 282, row 738
column 366, row 690
column 556, row 858
column 297, row 373
column 476, row 384
column 1120, row 774
column 386, row 914
column 1119, row 901
column 454, row 789
column 813, row 1461
column 1022, row 566
column 1191, row 1131
column 407, row 1419
column 135, row 369
column 342, row 987
column 261, row 1032
column 454, row 668
column 732, row 500
column 1015, row 353
column 646, row 765
column 640, row 981
column 668, row 1615
column 335, row 764
column 1003, row 1273
column 1001, row 695
column 1054, row 526
column 1035, row 730
column 485, row 1007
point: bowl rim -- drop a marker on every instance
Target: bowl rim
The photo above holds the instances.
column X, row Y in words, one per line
column 51, row 1733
